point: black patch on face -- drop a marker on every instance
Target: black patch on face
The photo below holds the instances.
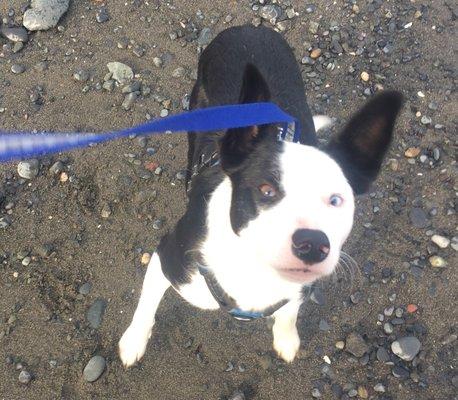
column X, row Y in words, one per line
column 259, row 168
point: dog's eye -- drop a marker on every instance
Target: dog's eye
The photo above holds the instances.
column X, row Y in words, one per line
column 336, row 200
column 267, row 190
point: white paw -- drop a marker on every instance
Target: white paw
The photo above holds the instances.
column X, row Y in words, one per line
column 132, row 345
column 286, row 343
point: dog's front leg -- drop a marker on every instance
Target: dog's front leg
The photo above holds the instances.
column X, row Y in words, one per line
column 286, row 338
column 133, row 343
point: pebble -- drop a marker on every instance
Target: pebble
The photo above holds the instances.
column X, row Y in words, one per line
column 313, row 27
column 158, row 224
column 400, row 372
column 406, row 348
column 418, row 217
column 121, row 73
column 437, row 262
column 317, row 296
column 412, row 152
column 129, row 101
column 146, row 257
column 380, row 388
column 28, row 169
column 204, row 37
column 44, row 14
column 316, row 393
column 157, row 61
column 324, row 326
column 237, row 396
column 102, row 15
column 17, row 68
column 25, row 377
column 364, row 76
column 270, row 12
column 133, row 87
column 81, row 76
column 15, row 34
column 383, row 355
column 440, row 241
column 315, row 53
column 95, row 313
column 388, row 328
column 106, row 211
column 455, row 243
column 56, row 168
column 85, row 288
column 411, row 308
column 94, row 368
column 340, row 345
column 356, row 345
column 425, row 120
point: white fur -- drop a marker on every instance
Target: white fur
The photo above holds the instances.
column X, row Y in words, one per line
column 321, row 121
column 133, row 343
column 286, row 338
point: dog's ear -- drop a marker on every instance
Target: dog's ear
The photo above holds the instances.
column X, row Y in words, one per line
column 360, row 148
column 238, row 143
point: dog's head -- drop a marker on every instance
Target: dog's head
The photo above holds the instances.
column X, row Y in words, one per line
column 292, row 205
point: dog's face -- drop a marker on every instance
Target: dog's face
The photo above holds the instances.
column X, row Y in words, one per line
column 292, row 205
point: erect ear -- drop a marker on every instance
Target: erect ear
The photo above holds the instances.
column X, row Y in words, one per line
column 359, row 149
column 238, row 143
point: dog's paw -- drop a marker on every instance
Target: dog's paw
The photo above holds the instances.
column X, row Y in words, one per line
column 286, row 343
column 132, row 345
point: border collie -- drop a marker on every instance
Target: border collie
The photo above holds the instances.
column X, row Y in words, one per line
column 265, row 217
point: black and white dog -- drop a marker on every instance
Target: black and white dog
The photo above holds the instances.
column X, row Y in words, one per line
column 265, row 217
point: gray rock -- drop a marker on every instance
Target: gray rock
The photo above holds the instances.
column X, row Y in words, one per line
column 356, row 345
column 324, row 326
column 383, row 355
column 81, row 76
column 418, row 218
column 28, row 169
column 56, row 168
column 120, row 72
column 237, row 396
column 205, row 36
column 133, row 87
column 271, row 12
column 85, row 288
column 17, row 69
column 406, row 348
column 15, row 34
column 25, row 377
column 129, row 101
column 95, row 313
column 400, row 372
column 94, row 368
column 102, row 15
column 425, row 120
column 317, row 296
column 44, row 14
column 380, row 388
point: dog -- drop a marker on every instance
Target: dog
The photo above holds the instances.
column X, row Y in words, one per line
column 265, row 217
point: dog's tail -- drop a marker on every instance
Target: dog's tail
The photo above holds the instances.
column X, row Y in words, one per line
column 321, row 121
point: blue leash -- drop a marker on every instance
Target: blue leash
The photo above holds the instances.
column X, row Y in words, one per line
column 16, row 146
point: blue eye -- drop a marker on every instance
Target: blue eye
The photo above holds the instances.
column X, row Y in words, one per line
column 336, row 200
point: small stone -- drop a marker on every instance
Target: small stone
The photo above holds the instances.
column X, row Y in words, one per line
column 455, row 243
column 133, row 87
column 25, row 377
column 362, row 392
column 316, row 393
column 106, row 211
column 317, row 296
column 418, row 218
column 109, row 85
column 356, row 345
column 56, row 168
column 157, row 61
column 26, row 261
column 383, row 355
column 85, row 288
column 179, row 72
column 102, row 15
column 364, row 76
column 146, row 257
column 95, row 313
column 237, row 396
column 17, row 69
column 28, row 169
column 412, row 152
column 400, row 372
column 412, row 308
column 310, row 8
column 15, row 34
column 388, row 328
column 440, row 241
column 271, row 12
column 340, row 345
column 129, row 100
column 204, row 37
column 121, row 73
column 352, row 393
column 406, row 348
column 324, row 326
column 164, row 112
column 437, row 262
column 315, row 53
column 94, row 368
column 313, row 27
column 158, row 224
column 63, row 177
column 81, row 75
column 379, row 388
column 356, row 297
column 425, row 120
column 45, row 250
column 44, row 14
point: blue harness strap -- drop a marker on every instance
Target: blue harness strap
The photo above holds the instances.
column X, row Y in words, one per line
column 14, row 146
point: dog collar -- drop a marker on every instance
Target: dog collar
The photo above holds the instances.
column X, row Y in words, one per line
column 228, row 304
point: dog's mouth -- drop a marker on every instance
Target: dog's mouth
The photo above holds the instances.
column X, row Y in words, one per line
column 299, row 275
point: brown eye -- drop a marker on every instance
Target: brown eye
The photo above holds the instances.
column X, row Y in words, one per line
column 267, row 190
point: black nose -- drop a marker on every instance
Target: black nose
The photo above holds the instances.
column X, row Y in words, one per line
column 310, row 246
